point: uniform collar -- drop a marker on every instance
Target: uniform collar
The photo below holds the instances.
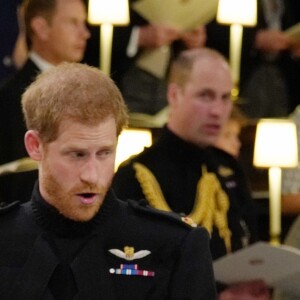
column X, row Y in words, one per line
column 51, row 220
column 180, row 148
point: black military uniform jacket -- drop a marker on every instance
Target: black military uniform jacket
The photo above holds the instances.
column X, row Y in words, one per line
column 127, row 251
column 177, row 166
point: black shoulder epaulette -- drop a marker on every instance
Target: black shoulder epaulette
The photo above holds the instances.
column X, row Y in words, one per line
column 144, row 207
column 128, row 161
column 6, row 207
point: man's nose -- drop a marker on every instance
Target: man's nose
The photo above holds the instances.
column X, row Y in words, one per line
column 85, row 32
column 218, row 108
column 90, row 172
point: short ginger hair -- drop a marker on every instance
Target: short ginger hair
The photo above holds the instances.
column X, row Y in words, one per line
column 71, row 91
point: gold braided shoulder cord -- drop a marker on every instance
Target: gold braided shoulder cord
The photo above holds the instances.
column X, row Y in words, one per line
column 211, row 206
column 150, row 187
column 211, row 203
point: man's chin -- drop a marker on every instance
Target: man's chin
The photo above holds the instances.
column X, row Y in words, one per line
column 82, row 214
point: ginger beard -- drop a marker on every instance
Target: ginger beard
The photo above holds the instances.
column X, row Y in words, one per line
column 67, row 202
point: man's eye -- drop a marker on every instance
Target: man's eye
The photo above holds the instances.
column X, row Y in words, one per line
column 77, row 154
column 227, row 98
column 105, row 153
column 205, row 96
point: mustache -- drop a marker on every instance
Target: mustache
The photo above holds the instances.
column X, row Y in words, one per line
column 89, row 188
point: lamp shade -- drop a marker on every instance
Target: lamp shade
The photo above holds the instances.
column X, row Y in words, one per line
column 114, row 12
column 132, row 142
column 243, row 12
column 276, row 144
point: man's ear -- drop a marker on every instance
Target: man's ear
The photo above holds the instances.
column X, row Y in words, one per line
column 172, row 92
column 40, row 27
column 33, row 145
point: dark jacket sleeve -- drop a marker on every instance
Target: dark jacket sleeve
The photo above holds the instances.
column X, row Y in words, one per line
column 193, row 277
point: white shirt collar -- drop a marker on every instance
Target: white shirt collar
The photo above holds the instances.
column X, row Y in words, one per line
column 42, row 64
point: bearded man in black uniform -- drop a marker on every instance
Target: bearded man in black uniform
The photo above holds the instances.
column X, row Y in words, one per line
column 74, row 240
column 182, row 173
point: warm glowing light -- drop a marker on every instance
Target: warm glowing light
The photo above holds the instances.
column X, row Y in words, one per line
column 275, row 148
column 276, row 144
column 132, row 142
column 107, row 13
column 114, row 12
column 243, row 12
column 237, row 13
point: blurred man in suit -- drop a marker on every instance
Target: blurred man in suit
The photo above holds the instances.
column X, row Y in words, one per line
column 56, row 32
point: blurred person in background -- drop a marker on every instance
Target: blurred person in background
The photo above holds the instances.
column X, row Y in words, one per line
column 270, row 59
column 182, row 172
column 143, row 91
column 229, row 138
column 13, row 49
column 56, row 32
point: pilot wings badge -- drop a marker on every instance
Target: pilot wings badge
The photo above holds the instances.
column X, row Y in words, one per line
column 129, row 254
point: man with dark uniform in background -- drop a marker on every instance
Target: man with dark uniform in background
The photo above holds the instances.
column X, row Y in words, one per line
column 182, row 173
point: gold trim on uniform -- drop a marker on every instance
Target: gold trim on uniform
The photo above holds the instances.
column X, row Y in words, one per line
column 129, row 252
column 211, row 203
column 225, row 171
